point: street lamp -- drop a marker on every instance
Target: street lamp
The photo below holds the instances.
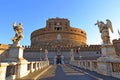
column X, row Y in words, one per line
column 79, row 51
column 40, row 53
column 80, row 57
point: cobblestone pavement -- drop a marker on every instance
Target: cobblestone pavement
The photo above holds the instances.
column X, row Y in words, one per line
column 67, row 72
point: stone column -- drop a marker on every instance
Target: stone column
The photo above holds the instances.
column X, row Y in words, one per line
column 46, row 55
column 3, row 68
column 72, row 55
column 91, row 65
column 31, row 67
column 21, row 70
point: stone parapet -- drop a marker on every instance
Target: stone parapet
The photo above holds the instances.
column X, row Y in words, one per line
column 111, row 68
column 16, row 71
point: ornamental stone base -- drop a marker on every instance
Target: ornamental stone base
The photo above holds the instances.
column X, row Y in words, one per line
column 108, row 56
column 16, row 54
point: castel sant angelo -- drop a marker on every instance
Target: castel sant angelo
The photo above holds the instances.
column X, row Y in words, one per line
column 58, row 33
column 60, row 41
column 58, row 37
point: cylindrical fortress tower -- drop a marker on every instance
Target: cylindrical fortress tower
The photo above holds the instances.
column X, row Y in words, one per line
column 58, row 27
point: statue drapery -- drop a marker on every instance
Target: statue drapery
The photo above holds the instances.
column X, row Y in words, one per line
column 104, row 30
column 18, row 33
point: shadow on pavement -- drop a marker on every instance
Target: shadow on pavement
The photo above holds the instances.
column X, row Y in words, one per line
column 64, row 72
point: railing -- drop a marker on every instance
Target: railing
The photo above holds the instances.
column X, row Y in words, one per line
column 10, row 71
column 116, row 69
column 112, row 68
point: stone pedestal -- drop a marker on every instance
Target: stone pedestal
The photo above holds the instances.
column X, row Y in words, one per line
column 3, row 68
column 21, row 70
column 108, row 55
column 16, row 54
column 104, row 68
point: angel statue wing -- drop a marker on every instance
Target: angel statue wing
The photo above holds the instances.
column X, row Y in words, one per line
column 109, row 25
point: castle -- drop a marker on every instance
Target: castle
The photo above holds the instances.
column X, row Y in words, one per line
column 58, row 27
column 58, row 38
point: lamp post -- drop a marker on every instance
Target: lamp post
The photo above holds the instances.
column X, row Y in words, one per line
column 40, row 53
column 79, row 62
column 46, row 55
column 79, row 51
column 80, row 57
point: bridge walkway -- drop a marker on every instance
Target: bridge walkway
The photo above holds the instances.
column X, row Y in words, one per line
column 68, row 72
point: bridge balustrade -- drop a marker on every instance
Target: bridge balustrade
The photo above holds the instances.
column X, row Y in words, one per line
column 14, row 70
column 92, row 65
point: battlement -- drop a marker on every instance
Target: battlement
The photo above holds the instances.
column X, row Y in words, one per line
column 80, row 48
column 88, row 48
column 116, row 40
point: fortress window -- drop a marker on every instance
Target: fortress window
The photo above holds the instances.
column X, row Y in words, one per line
column 81, row 31
column 97, row 52
column 60, row 23
column 60, row 28
column 66, row 24
column 49, row 26
column 57, row 28
column 76, row 51
column 55, row 23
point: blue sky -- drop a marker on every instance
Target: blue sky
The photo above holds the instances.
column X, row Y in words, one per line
column 34, row 13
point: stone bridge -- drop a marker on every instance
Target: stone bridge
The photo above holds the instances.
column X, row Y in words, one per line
column 15, row 67
column 41, row 70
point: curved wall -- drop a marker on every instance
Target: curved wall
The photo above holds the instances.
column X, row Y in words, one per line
column 55, row 26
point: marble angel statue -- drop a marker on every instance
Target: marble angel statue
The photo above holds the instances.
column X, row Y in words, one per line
column 18, row 33
column 104, row 30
